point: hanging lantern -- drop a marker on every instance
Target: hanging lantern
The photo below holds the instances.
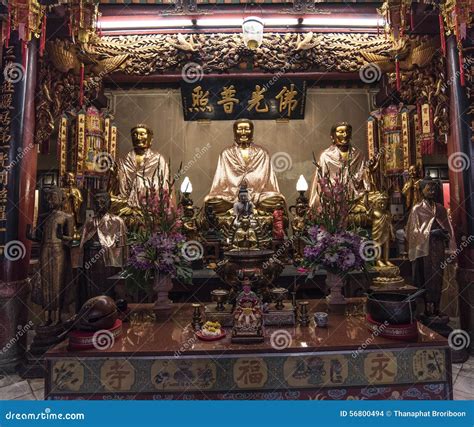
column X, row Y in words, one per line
column 83, row 18
column 252, row 29
column 26, row 17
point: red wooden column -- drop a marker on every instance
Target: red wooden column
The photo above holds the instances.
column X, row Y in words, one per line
column 461, row 177
column 20, row 172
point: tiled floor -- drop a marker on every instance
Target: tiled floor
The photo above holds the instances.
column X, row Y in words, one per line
column 12, row 387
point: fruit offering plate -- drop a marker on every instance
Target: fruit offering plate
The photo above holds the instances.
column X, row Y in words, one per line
column 200, row 335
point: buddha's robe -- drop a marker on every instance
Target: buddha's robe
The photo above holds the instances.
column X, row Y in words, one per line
column 331, row 160
column 233, row 169
column 132, row 179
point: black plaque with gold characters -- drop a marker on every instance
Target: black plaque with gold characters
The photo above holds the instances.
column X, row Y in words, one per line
column 220, row 99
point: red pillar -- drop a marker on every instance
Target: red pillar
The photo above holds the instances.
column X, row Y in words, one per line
column 22, row 162
column 461, row 178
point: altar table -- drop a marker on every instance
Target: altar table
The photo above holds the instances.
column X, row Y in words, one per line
column 166, row 361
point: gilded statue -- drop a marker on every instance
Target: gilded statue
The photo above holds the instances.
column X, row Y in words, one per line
column 190, row 223
column 429, row 233
column 72, row 200
column 245, row 238
column 411, row 189
column 341, row 158
column 55, row 235
column 103, row 248
column 138, row 171
column 382, row 229
column 247, row 161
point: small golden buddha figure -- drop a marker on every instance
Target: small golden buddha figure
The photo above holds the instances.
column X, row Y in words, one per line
column 141, row 169
column 341, row 157
column 190, row 222
column 411, row 189
column 245, row 237
column 72, row 197
column 382, row 230
column 244, row 160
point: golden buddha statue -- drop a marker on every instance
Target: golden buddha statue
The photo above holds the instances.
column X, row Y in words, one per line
column 245, row 237
column 382, row 229
column 72, row 201
column 138, row 171
column 247, row 161
column 341, row 157
column 411, row 189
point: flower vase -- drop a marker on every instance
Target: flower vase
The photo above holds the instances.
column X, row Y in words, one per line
column 335, row 283
column 162, row 284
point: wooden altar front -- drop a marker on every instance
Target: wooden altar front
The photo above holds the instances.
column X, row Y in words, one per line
column 166, row 361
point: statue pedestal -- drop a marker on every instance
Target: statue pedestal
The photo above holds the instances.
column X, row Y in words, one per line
column 389, row 277
column 284, row 317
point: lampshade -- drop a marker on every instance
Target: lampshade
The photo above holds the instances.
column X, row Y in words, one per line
column 302, row 184
column 186, row 186
column 252, row 29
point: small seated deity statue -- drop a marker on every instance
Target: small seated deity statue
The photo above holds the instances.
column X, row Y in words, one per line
column 248, row 316
column 429, row 234
column 245, row 237
column 382, row 229
column 55, row 235
column 279, row 222
column 103, row 248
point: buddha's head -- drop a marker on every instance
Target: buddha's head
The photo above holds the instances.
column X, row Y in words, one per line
column 412, row 172
column 69, row 179
column 341, row 134
column 102, row 203
column 243, row 132
column 142, row 136
column 54, row 197
column 245, row 223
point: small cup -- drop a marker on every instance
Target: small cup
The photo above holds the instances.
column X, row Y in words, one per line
column 321, row 319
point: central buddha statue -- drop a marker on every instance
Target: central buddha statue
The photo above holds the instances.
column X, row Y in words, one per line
column 341, row 155
column 245, row 162
column 139, row 170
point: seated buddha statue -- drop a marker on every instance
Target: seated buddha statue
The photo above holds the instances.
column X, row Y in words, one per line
column 341, row 158
column 141, row 169
column 244, row 161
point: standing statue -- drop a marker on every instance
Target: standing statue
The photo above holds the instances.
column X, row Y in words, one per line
column 341, row 158
column 244, row 161
column 279, row 222
column 411, row 189
column 138, row 171
column 103, row 247
column 382, row 229
column 72, row 197
column 55, row 234
column 429, row 233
